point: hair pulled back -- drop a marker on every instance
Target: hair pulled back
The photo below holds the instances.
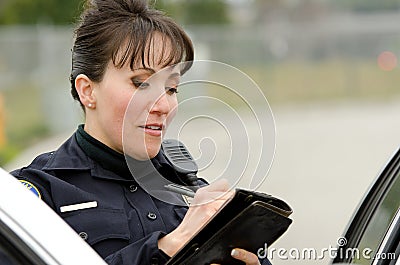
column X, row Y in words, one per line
column 122, row 31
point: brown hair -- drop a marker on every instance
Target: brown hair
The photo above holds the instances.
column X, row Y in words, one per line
column 122, row 31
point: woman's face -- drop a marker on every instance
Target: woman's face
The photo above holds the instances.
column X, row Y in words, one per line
column 134, row 107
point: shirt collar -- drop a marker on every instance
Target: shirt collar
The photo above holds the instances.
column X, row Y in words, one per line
column 83, row 152
column 68, row 156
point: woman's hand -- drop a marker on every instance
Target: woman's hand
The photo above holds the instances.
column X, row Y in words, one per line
column 245, row 256
column 207, row 201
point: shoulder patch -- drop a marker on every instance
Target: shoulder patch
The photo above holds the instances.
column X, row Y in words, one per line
column 31, row 187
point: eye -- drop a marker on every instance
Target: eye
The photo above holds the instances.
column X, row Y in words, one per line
column 171, row 90
column 140, row 84
column 171, row 86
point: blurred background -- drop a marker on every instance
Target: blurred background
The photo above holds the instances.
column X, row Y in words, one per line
column 329, row 69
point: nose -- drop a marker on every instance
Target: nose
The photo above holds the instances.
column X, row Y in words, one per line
column 162, row 105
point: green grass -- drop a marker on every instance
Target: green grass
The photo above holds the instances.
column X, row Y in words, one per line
column 23, row 123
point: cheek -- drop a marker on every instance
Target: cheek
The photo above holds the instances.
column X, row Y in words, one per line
column 136, row 105
column 173, row 110
column 120, row 105
column 123, row 105
column 117, row 116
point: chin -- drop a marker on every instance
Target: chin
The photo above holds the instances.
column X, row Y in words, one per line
column 152, row 147
column 143, row 153
column 153, row 151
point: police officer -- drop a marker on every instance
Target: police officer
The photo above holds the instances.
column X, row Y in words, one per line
column 118, row 45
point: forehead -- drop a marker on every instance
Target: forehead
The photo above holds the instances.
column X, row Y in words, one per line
column 156, row 53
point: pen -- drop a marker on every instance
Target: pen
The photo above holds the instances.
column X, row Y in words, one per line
column 180, row 189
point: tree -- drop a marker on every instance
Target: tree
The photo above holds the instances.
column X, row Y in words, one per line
column 62, row 12
column 196, row 12
column 206, row 12
column 39, row 11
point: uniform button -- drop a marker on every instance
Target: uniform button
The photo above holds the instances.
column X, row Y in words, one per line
column 83, row 235
column 152, row 216
column 154, row 261
column 132, row 188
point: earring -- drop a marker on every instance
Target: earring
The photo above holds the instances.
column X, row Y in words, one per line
column 90, row 105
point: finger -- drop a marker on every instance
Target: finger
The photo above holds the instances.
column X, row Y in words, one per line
column 219, row 185
column 216, row 191
column 203, row 197
column 218, row 195
column 246, row 256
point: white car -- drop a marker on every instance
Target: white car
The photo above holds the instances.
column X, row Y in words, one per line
column 32, row 233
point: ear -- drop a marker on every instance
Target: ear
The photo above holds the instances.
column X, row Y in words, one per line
column 84, row 86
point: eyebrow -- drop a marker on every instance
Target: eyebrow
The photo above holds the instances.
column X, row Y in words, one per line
column 173, row 75
column 145, row 69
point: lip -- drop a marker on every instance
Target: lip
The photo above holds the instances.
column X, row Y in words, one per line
column 151, row 131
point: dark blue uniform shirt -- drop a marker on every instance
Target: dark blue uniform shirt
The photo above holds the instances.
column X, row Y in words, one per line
column 126, row 222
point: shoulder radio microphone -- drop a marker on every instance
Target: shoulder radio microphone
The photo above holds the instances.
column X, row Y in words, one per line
column 183, row 163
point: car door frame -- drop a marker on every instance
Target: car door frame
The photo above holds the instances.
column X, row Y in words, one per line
column 366, row 209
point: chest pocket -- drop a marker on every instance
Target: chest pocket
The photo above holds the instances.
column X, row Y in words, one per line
column 106, row 230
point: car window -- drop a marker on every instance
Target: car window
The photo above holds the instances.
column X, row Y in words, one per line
column 380, row 222
column 7, row 255
column 13, row 251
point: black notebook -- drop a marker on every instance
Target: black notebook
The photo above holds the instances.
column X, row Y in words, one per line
column 249, row 221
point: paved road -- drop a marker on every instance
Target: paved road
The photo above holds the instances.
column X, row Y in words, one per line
column 326, row 157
